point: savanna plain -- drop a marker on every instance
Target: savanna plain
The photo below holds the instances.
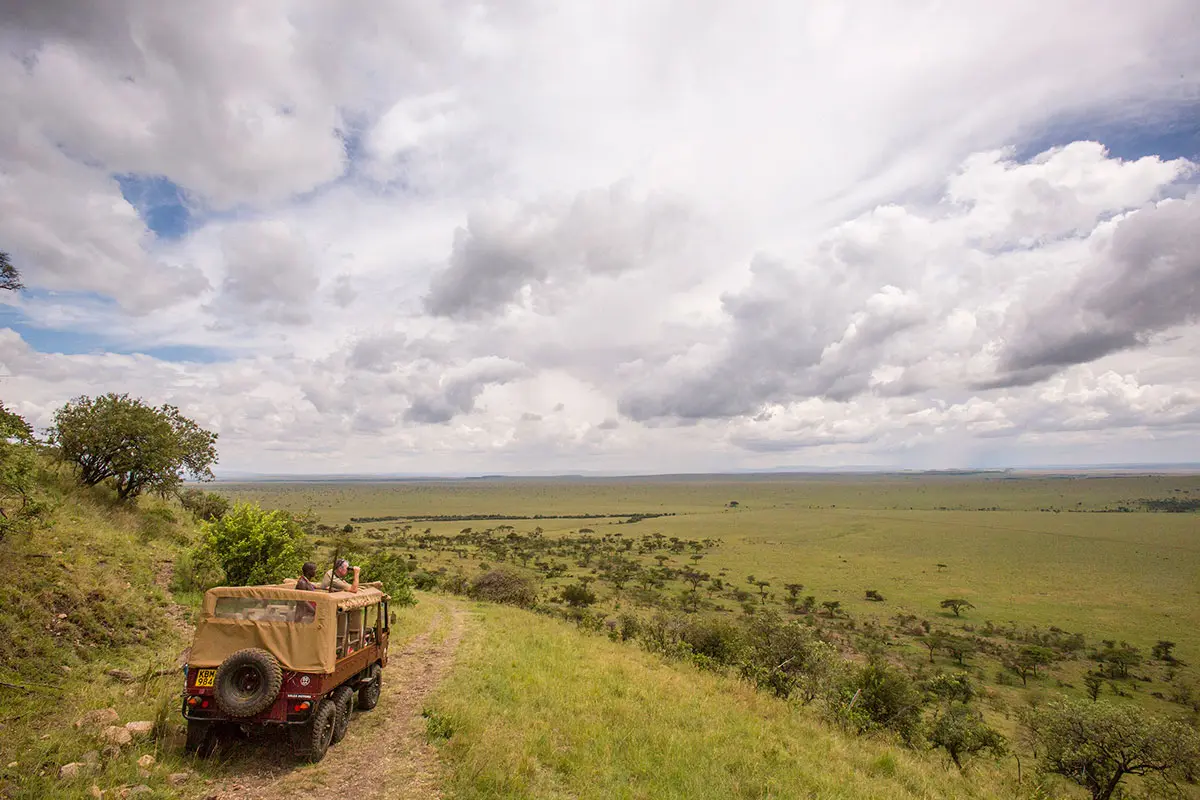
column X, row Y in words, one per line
column 1075, row 586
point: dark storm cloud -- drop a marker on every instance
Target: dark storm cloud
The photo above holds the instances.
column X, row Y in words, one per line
column 1148, row 280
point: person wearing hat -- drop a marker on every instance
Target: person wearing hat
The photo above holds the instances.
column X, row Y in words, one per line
column 333, row 577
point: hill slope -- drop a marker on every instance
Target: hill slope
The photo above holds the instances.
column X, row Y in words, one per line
column 536, row 709
column 87, row 623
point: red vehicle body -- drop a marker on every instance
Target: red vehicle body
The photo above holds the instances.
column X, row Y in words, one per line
column 273, row 655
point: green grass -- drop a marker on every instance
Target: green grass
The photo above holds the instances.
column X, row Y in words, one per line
column 1132, row 576
column 539, row 710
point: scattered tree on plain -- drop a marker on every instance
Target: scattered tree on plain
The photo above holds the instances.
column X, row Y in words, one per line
column 956, row 604
column 138, row 447
column 1119, row 657
column 1162, row 651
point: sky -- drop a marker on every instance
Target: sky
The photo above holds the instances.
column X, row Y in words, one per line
column 648, row 236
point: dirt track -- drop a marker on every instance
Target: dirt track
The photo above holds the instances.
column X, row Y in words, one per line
column 384, row 754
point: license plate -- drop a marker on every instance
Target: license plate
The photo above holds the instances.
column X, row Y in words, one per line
column 206, row 677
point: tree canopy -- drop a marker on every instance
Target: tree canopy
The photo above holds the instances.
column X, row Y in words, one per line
column 956, row 604
column 1097, row 744
column 139, row 447
column 10, row 278
column 18, row 508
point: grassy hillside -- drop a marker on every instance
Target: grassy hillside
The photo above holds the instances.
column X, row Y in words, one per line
column 536, row 709
column 86, row 594
column 87, row 623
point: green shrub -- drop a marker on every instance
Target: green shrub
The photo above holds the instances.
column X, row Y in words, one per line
column 424, row 580
column 777, row 653
column 204, row 506
column 390, row 569
column 961, row 732
column 716, row 639
column 879, row 696
column 254, row 546
column 502, row 586
column 577, row 595
column 21, row 508
column 197, row 570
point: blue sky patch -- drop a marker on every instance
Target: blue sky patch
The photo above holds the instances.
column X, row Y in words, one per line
column 161, row 204
column 1177, row 136
column 73, row 343
column 64, row 341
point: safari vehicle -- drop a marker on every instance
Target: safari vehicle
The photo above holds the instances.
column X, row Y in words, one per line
column 278, row 656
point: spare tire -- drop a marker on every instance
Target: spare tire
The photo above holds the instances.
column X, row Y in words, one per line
column 247, row 682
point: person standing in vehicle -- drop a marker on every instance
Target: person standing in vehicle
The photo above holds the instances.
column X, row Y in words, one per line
column 308, row 573
column 334, row 577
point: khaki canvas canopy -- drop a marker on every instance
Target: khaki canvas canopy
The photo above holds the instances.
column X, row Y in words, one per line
column 298, row 627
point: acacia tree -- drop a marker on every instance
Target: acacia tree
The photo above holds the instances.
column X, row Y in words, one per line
column 139, row 447
column 1097, row 744
column 1162, row 651
column 956, row 604
column 1027, row 660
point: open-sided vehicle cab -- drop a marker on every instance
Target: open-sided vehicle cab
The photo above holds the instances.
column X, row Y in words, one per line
column 275, row 655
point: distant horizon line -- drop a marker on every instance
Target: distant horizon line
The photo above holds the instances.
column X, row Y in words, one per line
column 1186, row 467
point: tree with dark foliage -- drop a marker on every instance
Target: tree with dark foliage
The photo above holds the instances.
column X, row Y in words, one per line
column 136, row 446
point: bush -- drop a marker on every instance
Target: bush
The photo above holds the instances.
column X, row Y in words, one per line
column 502, row 586
column 390, row 569
column 204, row 506
column 20, row 509
column 880, row 696
column 626, row 626
column 424, row 580
column 777, row 653
column 254, row 546
column 577, row 595
column 715, row 639
column 197, row 570
column 961, row 732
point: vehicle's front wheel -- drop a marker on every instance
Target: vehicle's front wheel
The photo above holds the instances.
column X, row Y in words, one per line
column 201, row 738
column 343, row 704
column 368, row 695
column 311, row 740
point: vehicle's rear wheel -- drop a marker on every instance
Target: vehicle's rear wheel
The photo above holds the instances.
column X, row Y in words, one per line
column 368, row 695
column 343, row 704
column 247, row 682
column 312, row 739
column 201, row 738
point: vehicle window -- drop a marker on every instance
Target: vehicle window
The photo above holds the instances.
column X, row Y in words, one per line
column 253, row 609
column 372, row 616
